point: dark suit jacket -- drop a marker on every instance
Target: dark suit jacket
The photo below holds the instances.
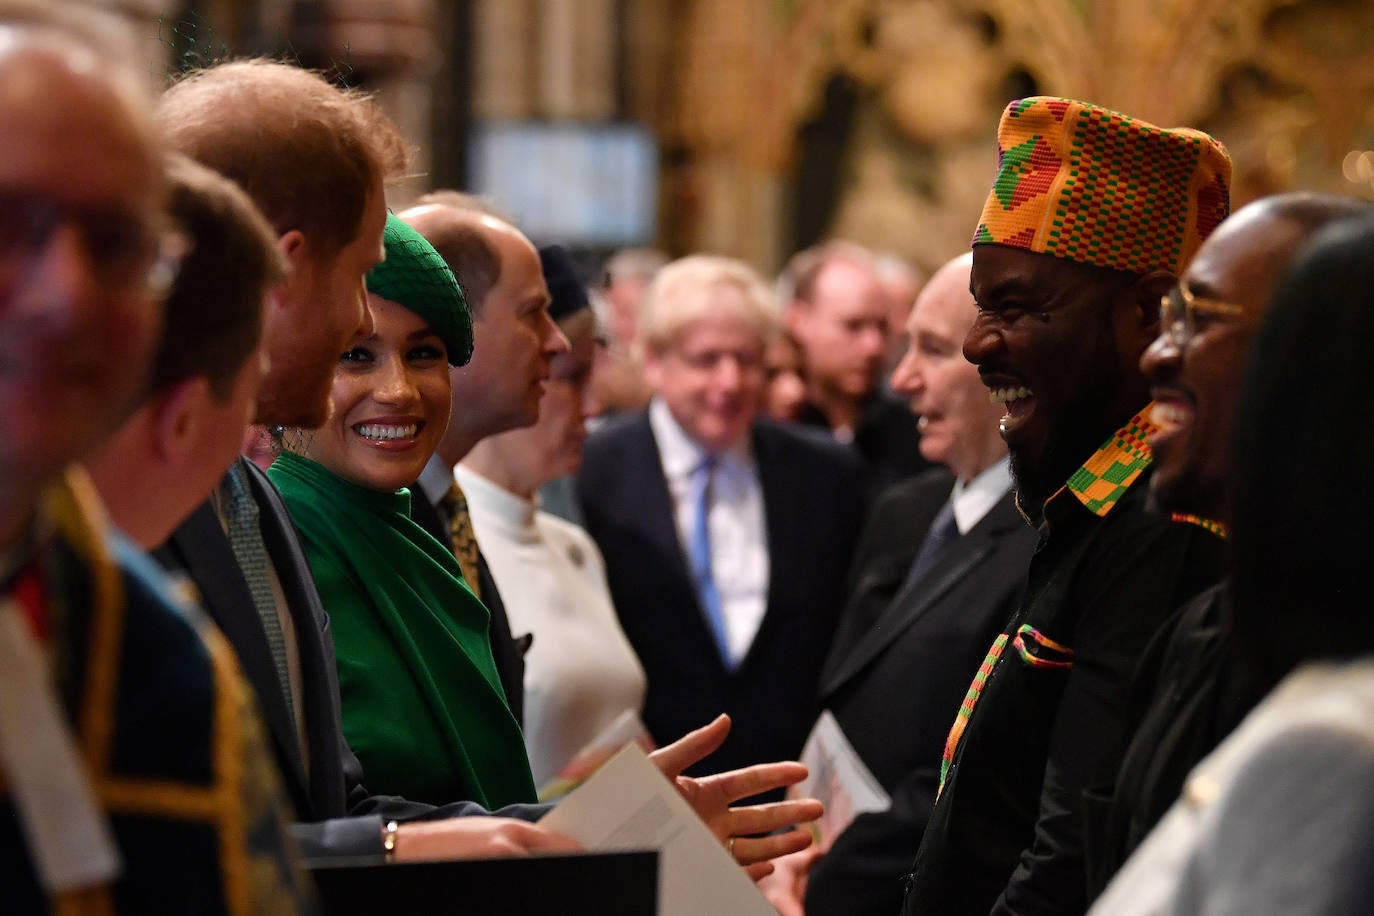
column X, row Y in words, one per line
column 813, row 507
column 508, row 652
column 340, row 816
column 904, row 658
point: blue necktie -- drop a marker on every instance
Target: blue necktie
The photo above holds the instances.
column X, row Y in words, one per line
column 699, row 552
column 943, row 532
column 245, row 540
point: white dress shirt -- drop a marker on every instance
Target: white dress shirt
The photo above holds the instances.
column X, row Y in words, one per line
column 975, row 499
column 737, row 525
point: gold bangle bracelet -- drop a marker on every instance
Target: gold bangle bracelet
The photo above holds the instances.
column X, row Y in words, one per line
column 389, row 831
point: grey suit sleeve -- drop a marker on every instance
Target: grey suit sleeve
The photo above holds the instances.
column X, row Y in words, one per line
column 341, row 837
column 1292, row 834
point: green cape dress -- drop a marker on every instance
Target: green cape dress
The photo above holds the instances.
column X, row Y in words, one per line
column 422, row 706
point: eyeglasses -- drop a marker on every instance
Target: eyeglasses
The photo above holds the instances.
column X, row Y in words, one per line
column 123, row 249
column 1179, row 310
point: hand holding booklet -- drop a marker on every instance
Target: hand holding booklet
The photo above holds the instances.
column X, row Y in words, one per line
column 628, row 804
column 839, row 779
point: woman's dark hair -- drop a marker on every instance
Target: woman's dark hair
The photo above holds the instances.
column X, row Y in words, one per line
column 1303, row 522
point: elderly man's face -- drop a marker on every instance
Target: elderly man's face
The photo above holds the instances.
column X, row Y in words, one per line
column 1057, row 344
column 958, row 423
column 79, row 218
column 711, row 375
column 1195, row 386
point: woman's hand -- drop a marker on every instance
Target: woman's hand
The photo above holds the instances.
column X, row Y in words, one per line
column 710, row 797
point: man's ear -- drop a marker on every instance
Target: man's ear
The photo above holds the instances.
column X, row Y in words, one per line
column 1149, row 290
column 295, row 247
column 179, row 412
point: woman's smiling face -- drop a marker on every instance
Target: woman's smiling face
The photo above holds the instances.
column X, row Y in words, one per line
column 389, row 404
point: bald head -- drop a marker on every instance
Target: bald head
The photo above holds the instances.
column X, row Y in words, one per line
column 463, row 238
column 950, row 284
column 1195, row 365
column 958, row 422
column 513, row 336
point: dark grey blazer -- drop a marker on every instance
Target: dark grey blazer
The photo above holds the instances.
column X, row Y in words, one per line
column 901, row 663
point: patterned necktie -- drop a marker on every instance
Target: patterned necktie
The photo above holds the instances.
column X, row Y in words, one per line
column 245, row 539
column 461, row 536
column 699, row 552
column 943, row 531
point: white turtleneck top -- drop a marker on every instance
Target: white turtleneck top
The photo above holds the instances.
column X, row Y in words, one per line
column 580, row 672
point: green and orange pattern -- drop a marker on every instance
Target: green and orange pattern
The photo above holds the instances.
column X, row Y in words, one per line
column 1095, row 186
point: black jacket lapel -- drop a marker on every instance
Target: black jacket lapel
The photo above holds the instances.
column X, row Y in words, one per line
column 914, row 601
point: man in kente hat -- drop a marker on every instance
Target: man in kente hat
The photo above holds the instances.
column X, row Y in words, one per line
column 1092, row 216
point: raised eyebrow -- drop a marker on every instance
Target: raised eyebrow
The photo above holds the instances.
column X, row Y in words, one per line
column 927, row 338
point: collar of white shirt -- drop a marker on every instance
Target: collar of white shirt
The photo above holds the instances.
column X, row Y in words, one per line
column 436, row 478
column 975, row 499
column 679, row 453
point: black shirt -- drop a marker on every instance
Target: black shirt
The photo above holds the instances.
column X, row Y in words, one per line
column 1006, row 834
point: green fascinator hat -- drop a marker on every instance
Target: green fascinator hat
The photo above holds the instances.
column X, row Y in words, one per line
column 415, row 276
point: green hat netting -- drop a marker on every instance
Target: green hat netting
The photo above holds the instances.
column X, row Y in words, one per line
column 415, row 276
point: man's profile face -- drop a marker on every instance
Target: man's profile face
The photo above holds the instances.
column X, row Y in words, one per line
column 1195, row 387
column 80, row 227
column 958, row 422
column 302, row 354
column 843, row 329
column 514, row 340
column 710, row 375
column 1053, row 343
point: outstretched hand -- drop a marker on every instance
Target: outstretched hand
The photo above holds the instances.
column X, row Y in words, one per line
column 711, row 796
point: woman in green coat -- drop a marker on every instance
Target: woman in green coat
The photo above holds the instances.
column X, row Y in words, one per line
column 422, row 706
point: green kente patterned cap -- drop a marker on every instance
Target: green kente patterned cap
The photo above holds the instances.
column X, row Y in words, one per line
column 415, row 276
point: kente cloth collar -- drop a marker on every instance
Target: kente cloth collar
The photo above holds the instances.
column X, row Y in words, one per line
column 1207, row 524
column 1101, row 481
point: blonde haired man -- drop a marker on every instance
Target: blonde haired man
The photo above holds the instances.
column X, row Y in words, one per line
column 726, row 536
